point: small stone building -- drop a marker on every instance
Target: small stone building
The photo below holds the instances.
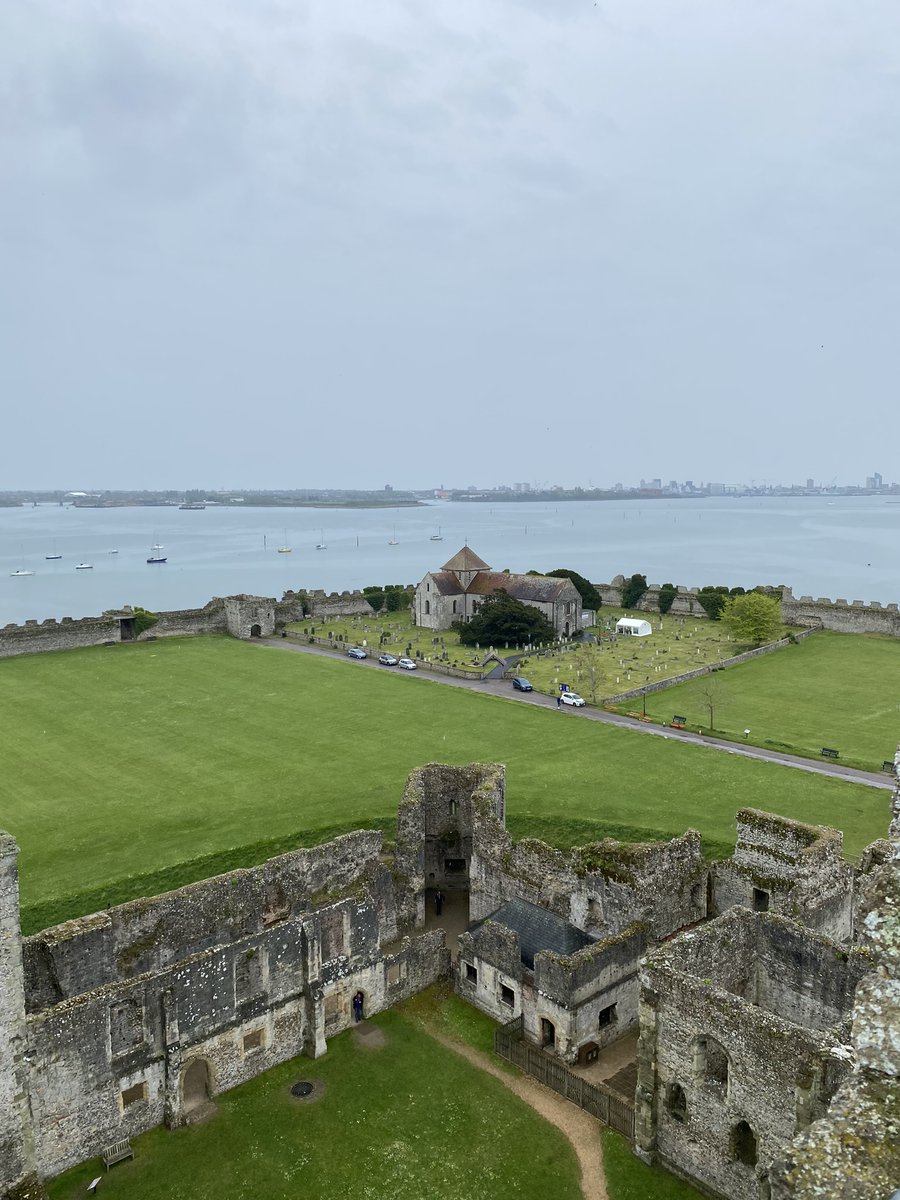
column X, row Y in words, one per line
column 744, row 1040
column 575, row 993
column 458, row 590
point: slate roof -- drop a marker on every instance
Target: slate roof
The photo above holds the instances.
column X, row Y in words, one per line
column 537, row 930
column 465, row 560
column 541, row 588
column 446, row 583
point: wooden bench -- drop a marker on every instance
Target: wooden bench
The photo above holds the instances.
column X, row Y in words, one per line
column 827, row 752
column 117, row 1153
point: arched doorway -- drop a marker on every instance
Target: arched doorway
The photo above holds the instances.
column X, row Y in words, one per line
column 195, row 1086
column 256, row 631
column 566, row 630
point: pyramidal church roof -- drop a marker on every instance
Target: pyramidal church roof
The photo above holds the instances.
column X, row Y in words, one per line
column 465, row 560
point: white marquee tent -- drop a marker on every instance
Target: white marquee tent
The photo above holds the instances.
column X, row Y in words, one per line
column 634, row 627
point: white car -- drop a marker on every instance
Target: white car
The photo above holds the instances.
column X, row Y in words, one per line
column 407, row 664
column 572, row 698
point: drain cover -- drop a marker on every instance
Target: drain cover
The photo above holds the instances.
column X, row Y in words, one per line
column 302, row 1088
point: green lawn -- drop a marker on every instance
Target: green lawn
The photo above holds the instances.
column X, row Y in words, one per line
column 833, row 689
column 408, row 1120
column 123, row 762
column 627, row 1178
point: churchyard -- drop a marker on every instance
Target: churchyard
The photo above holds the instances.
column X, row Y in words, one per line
column 831, row 690
column 142, row 767
column 615, row 663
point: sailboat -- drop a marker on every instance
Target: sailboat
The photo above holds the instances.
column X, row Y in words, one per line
column 54, row 556
column 155, row 556
column 84, row 566
column 322, row 545
column 393, row 541
column 285, row 549
column 21, row 571
column 436, row 537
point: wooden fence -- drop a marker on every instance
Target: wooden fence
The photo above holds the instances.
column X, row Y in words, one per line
column 595, row 1098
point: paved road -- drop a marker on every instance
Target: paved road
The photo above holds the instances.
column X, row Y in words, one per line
column 503, row 688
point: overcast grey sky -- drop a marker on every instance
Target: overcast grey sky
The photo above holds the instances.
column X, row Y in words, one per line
column 287, row 243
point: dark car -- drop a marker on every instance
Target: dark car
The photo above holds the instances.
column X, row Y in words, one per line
column 521, row 684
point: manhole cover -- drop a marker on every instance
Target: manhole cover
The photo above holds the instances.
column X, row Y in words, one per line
column 302, row 1088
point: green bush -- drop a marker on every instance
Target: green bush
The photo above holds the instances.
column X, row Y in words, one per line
column 712, row 601
column 632, row 591
column 667, row 594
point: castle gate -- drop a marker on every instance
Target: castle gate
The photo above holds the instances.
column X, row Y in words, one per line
column 195, row 1086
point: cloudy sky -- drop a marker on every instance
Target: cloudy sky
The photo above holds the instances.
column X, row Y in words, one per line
column 328, row 242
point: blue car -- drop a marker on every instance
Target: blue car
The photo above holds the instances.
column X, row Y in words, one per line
column 521, row 684
column 356, row 652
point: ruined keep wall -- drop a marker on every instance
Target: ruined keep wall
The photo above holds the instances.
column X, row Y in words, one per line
column 601, row 888
column 17, row 1159
column 149, row 934
column 854, row 1150
column 780, row 1074
column 799, row 868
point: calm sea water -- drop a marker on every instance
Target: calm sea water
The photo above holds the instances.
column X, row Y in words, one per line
column 842, row 547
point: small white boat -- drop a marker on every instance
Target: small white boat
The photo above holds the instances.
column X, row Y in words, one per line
column 52, row 557
column 285, row 549
column 18, row 574
column 393, row 541
column 322, row 544
column 84, row 566
column 111, row 552
column 436, row 537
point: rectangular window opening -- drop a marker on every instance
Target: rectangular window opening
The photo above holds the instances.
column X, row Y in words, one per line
column 607, row 1016
column 760, row 900
column 471, row 973
column 254, row 1041
column 134, row 1094
column 507, row 995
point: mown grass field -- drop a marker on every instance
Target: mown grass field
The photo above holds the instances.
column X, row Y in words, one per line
column 133, row 768
column 832, row 689
column 407, row 1120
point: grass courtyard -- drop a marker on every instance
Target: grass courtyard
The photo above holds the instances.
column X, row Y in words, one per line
column 135, row 768
column 836, row 690
column 407, row 1119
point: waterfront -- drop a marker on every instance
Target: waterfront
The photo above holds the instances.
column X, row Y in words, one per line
column 837, row 547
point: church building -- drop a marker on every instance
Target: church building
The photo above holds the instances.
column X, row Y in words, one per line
column 459, row 588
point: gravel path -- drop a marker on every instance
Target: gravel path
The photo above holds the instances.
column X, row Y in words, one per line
column 580, row 1128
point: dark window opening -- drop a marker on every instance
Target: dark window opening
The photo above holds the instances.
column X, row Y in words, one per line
column 548, row 1032
column 743, row 1144
column 454, row 866
column 135, row 1094
column 607, row 1016
column 254, row 1041
column 676, row 1103
column 471, row 973
column 712, row 1062
column 507, row 995
column 760, row 900
column 453, row 808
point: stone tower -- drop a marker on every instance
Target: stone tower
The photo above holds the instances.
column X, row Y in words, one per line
column 18, row 1178
column 250, row 616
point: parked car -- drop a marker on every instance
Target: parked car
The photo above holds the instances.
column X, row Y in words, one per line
column 572, row 698
column 407, row 664
column 521, row 684
column 387, row 660
column 356, row 652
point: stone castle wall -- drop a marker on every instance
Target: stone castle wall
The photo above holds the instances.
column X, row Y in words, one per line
column 838, row 615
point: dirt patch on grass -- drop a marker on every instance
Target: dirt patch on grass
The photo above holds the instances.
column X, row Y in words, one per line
column 368, row 1037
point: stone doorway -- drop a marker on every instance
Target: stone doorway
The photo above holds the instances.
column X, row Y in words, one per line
column 256, row 631
column 195, row 1091
column 548, row 1033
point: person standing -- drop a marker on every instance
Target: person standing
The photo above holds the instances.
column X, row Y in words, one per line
column 559, row 701
column 358, row 1006
column 438, row 902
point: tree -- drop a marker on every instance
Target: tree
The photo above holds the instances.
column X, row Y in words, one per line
column 502, row 618
column 590, row 597
column 632, row 590
column 142, row 620
column 396, row 598
column 753, row 618
column 713, row 694
column 667, row 594
column 375, row 597
column 713, row 600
